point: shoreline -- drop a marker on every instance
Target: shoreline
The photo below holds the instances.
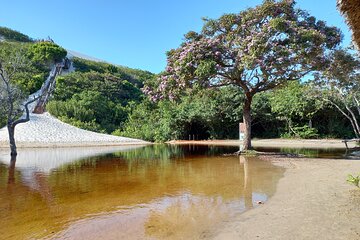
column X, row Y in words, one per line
column 257, row 143
column 5, row 145
column 312, row 201
column 273, row 143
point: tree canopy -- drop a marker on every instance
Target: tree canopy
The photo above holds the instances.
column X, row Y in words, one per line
column 339, row 85
column 258, row 49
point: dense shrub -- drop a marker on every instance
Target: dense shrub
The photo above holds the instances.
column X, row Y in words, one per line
column 46, row 52
column 12, row 35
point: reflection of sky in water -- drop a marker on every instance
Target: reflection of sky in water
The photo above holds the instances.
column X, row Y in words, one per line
column 185, row 216
column 129, row 192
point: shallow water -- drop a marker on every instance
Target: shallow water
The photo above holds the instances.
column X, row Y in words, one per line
column 329, row 153
column 153, row 192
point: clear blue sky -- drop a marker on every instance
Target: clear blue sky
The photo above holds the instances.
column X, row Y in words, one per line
column 133, row 33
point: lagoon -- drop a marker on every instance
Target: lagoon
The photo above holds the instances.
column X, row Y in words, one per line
column 132, row 192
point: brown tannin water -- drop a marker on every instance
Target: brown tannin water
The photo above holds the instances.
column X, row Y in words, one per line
column 152, row 192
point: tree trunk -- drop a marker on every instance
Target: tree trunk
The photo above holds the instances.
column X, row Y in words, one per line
column 247, row 122
column 11, row 131
column 12, row 124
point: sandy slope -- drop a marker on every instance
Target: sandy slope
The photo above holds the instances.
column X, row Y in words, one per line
column 313, row 201
column 43, row 130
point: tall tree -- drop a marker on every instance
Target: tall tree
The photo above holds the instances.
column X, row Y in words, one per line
column 340, row 85
column 258, row 49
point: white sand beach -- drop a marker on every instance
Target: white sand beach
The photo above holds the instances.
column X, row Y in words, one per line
column 44, row 130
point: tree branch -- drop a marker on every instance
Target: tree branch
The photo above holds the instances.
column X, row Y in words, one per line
column 27, row 117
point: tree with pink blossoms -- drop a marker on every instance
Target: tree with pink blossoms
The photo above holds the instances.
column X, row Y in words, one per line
column 258, row 49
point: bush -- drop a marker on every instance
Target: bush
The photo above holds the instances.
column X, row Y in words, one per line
column 306, row 132
column 46, row 52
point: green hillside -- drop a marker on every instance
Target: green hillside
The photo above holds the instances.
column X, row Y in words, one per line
column 96, row 96
column 12, row 35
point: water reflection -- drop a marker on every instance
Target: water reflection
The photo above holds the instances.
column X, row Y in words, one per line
column 11, row 177
column 330, row 153
column 152, row 192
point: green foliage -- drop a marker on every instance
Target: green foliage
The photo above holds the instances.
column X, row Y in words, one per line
column 339, row 85
column 46, row 52
column 265, row 123
column 306, row 132
column 294, row 100
column 31, row 75
column 206, row 114
column 134, row 76
column 97, row 96
column 353, row 179
column 12, row 35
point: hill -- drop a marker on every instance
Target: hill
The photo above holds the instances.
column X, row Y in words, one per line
column 94, row 95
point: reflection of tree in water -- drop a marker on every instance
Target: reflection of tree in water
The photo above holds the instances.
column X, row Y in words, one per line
column 248, row 190
column 160, row 154
column 40, row 183
column 155, row 152
column 11, row 176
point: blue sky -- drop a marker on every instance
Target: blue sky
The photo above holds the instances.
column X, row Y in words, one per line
column 133, row 33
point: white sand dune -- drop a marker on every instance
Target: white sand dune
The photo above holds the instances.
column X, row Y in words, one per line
column 44, row 130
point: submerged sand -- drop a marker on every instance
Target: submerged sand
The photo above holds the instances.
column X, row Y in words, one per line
column 312, row 201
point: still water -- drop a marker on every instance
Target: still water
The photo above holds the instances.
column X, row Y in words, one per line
column 152, row 192
column 328, row 153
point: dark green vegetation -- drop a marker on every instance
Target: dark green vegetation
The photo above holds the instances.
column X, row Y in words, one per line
column 290, row 111
column 97, row 96
column 38, row 58
column 12, row 35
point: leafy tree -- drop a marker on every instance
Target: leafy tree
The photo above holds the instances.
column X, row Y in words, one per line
column 257, row 50
column 339, row 85
column 295, row 101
